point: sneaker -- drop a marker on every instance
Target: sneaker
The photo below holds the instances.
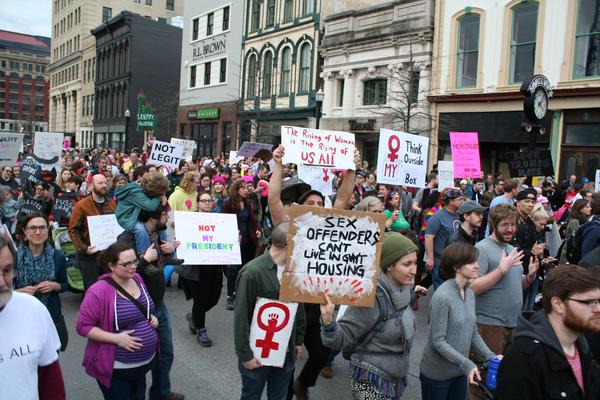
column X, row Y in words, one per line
column 327, row 372
column 190, row 320
column 229, row 303
column 203, row 338
column 175, row 396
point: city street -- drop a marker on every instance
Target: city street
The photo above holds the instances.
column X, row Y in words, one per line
column 211, row 373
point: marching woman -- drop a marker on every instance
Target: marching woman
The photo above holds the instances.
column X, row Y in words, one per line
column 379, row 337
column 219, row 193
column 41, row 271
column 116, row 317
column 393, row 212
column 203, row 284
column 446, row 369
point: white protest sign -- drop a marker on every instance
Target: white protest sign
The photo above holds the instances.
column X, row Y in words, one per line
column 207, row 238
column 48, row 146
column 271, row 330
column 249, row 149
column 166, row 154
column 402, row 158
column 234, row 158
column 318, row 147
column 598, row 180
column 10, row 143
column 104, row 230
column 188, row 147
column 318, row 178
column 445, row 174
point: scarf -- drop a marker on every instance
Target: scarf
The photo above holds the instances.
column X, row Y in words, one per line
column 401, row 297
column 32, row 270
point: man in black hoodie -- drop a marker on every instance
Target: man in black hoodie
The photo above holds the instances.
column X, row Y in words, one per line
column 549, row 357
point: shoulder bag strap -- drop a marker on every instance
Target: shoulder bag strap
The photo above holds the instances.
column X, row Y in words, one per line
column 129, row 297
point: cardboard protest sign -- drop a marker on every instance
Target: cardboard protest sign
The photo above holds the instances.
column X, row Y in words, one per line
column 402, row 158
column 234, row 158
column 104, row 230
column 597, row 182
column 207, row 238
column 188, row 147
column 465, row 154
column 271, row 329
column 318, row 147
column 529, row 163
column 335, row 252
column 10, row 144
column 445, row 174
column 62, row 209
column 48, row 147
column 318, row 178
column 166, row 154
column 249, row 149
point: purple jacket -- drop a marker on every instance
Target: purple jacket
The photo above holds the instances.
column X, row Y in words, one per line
column 97, row 310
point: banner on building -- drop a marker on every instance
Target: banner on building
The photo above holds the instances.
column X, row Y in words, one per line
column 166, row 154
column 529, row 163
column 318, row 147
column 48, row 147
column 188, row 148
column 445, row 175
column 335, row 252
column 465, row 154
column 402, row 158
column 10, row 145
column 207, row 238
column 104, row 230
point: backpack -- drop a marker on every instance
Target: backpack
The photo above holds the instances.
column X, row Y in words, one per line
column 575, row 240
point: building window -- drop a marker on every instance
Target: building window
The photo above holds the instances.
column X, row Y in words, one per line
column 304, row 81
column 340, row 93
column 288, row 10
column 148, row 2
column 255, row 15
column 193, row 76
column 195, row 23
column 251, row 91
column 522, row 44
column 413, row 94
column 286, row 67
column 308, row 7
column 206, row 73
column 225, row 19
column 223, row 70
column 267, row 74
column 468, row 51
column 171, row 5
column 210, row 23
column 375, row 92
column 106, row 14
column 270, row 12
column 587, row 39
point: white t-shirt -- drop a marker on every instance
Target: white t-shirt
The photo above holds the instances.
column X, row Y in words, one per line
column 28, row 340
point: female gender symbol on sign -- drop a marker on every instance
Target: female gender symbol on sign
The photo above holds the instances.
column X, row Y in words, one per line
column 393, row 147
column 267, row 344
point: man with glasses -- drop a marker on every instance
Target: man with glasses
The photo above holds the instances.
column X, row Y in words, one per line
column 550, row 357
column 7, row 180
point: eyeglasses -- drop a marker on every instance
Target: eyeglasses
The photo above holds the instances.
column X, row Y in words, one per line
column 33, row 229
column 590, row 303
column 205, row 201
column 127, row 264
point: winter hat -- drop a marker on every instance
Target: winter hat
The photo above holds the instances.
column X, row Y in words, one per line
column 219, row 179
column 394, row 247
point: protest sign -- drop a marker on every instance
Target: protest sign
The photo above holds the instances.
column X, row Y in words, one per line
column 402, row 158
column 104, row 230
column 48, row 147
column 166, row 154
column 335, row 252
column 598, row 180
column 445, row 175
column 465, row 154
column 529, row 163
column 317, row 147
column 234, row 158
column 207, row 238
column 31, row 174
column 30, row 205
column 249, row 149
column 320, row 179
column 271, row 329
column 10, row 144
column 188, row 148
column 62, row 209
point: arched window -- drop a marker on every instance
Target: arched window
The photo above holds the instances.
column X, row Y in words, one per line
column 304, row 79
column 286, row 68
column 251, row 90
column 468, row 51
column 267, row 74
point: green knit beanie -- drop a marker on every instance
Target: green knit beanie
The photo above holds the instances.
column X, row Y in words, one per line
column 394, row 247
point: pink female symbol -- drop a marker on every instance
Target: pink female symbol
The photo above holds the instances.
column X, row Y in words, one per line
column 393, row 146
column 267, row 344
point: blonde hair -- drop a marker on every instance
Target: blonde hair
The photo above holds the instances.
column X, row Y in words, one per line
column 539, row 213
column 187, row 182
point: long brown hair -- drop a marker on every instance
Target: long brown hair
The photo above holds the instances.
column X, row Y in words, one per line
column 236, row 199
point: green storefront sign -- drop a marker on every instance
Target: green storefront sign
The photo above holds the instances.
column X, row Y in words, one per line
column 206, row 113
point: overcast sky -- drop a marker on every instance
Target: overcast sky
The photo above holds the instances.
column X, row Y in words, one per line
column 33, row 17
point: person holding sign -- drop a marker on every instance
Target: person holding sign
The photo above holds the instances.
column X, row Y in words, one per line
column 379, row 348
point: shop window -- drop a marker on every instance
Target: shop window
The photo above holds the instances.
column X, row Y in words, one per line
column 587, row 40
column 468, row 51
column 267, row 74
column 582, row 134
column 286, row 63
column 375, row 92
column 522, row 44
column 304, row 81
column 251, row 90
column 592, row 163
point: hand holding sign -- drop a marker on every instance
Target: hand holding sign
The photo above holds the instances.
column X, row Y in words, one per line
column 166, row 154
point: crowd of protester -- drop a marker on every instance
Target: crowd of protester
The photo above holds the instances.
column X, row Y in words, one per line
column 488, row 249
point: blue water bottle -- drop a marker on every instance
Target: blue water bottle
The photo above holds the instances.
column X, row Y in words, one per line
column 490, row 380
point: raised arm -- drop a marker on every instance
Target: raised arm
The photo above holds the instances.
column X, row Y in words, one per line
column 343, row 195
column 276, row 208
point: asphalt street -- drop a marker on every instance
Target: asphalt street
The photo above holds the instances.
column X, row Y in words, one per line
column 212, row 373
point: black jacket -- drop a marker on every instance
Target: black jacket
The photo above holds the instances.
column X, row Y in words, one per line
column 535, row 367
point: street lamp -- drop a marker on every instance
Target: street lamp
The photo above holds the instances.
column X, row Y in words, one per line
column 319, row 96
column 127, row 116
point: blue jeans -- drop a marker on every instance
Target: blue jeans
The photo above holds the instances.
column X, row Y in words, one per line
column 277, row 380
column 127, row 383
column 529, row 295
column 435, row 276
column 449, row 389
column 161, row 382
